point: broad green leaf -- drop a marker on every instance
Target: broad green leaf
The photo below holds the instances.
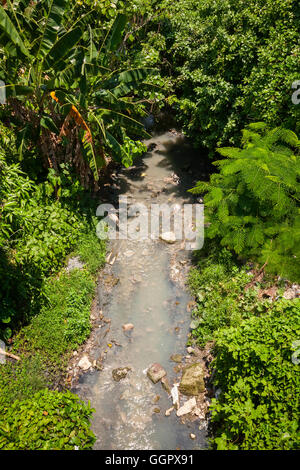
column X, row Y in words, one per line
column 124, row 121
column 129, row 80
column 52, row 26
column 62, row 47
column 48, row 123
column 10, row 31
column 94, row 159
column 116, row 33
column 118, row 152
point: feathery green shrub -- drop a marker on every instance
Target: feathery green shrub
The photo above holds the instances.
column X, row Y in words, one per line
column 252, row 204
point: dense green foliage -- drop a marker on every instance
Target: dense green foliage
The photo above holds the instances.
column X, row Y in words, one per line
column 66, row 89
column 230, row 62
column 80, row 77
column 259, row 403
column 254, row 370
column 40, row 225
column 45, row 345
column 218, row 286
column 234, row 63
column 252, row 204
column 46, row 421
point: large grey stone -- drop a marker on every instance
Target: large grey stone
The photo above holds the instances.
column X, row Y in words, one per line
column 192, row 382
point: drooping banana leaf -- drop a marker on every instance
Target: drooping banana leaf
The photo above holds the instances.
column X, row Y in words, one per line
column 104, row 98
column 94, row 159
column 100, row 123
column 116, row 33
column 118, row 152
column 129, row 80
column 52, row 26
column 11, row 32
column 124, row 121
column 62, row 47
column 48, row 123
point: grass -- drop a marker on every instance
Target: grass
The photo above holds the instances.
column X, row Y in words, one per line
column 218, row 285
column 62, row 324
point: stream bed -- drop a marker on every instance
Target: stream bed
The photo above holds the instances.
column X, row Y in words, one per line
column 143, row 284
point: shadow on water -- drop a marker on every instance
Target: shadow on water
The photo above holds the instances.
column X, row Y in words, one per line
column 130, row 414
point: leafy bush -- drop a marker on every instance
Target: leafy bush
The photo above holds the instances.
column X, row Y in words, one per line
column 40, row 229
column 47, row 236
column 15, row 191
column 36, row 234
column 252, row 204
column 46, row 421
column 45, row 344
column 218, row 286
column 259, row 382
column 40, row 224
column 231, row 62
column 19, row 284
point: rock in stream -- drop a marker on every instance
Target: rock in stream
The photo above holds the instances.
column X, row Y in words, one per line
column 192, row 382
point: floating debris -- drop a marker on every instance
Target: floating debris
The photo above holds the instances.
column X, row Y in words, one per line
column 175, row 396
column 188, row 407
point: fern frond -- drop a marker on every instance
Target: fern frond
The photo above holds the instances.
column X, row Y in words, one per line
column 257, row 126
column 230, row 152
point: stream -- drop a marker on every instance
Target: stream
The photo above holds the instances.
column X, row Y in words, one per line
column 143, row 284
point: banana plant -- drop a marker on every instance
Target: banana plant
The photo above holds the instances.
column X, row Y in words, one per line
column 61, row 72
column 33, row 41
column 33, row 38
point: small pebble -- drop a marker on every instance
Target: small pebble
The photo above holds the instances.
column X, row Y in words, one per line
column 128, row 326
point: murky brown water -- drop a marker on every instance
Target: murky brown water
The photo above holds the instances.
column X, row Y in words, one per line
column 151, row 295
